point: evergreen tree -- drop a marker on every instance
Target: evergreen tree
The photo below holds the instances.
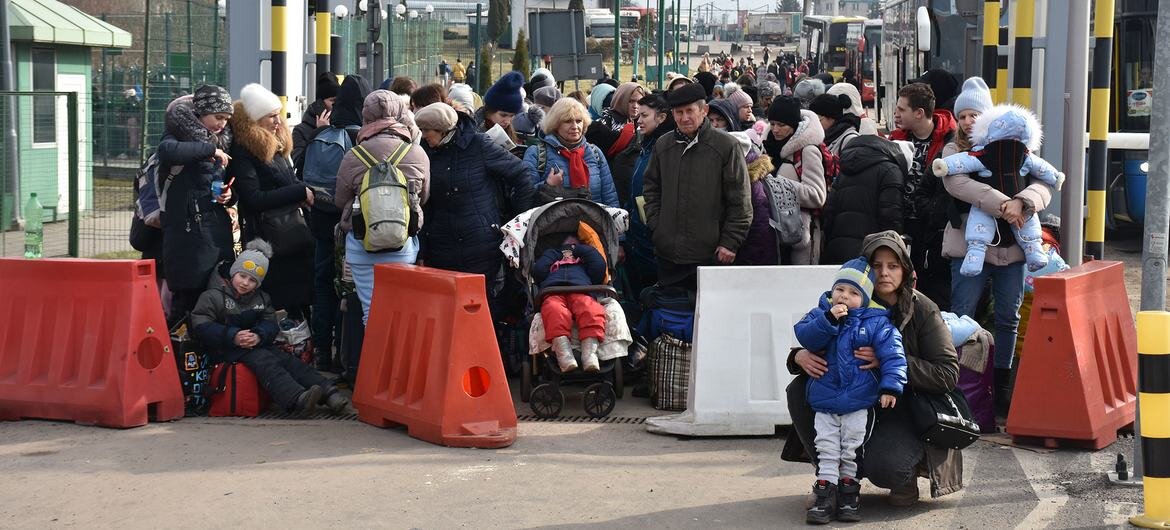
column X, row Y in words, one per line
column 484, row 74
column 576, row 5
column 520, row 60
column 497, row 25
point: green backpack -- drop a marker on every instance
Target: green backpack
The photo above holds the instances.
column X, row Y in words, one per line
column 382, row 219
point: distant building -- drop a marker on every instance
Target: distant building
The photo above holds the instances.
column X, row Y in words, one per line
column 844, row 8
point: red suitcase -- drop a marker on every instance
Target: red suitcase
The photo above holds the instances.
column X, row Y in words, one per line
column 237, row 392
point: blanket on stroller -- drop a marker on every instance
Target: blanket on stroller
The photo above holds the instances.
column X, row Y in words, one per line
column 617, row 334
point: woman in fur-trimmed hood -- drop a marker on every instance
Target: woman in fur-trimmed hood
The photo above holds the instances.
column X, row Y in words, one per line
column 197, row 232
column 759, row 247
column 264, row 180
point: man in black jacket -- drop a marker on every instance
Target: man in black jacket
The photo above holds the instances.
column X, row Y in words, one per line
column 315, row 117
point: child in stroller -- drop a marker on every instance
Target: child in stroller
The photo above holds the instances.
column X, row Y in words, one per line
column 573, row 264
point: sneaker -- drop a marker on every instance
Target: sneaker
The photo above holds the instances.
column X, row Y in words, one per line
column 306, row 403
column 825, row 506
column 336, row 401
column 589, row 355
column 848, row 500
column 905, row 495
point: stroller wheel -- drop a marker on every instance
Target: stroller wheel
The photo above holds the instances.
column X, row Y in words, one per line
column 526, row 380
column 599, row 400
column 546, row 401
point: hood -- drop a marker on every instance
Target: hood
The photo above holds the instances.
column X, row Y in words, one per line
column 866, row 151
column 621, row 98
column 760, row 168
column 263, row 144
column 809, row 132
column 347, row 108
column 385, row 111
column 528, row 122
column 890, row 239
column 597, row 98
column 1007, row 122
column 727, row 110
column 874, row 309
column 856, row 108
column 309, row 117
column 184, row 124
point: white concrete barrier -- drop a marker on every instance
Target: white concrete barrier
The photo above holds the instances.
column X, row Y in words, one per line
column 743, row 333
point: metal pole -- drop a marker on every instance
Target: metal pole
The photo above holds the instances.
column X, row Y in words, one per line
column 661, row 41
column 373, row 10
column 215, row 45
column 990, row 42
column 1099, row 127
column 8, row 82
column 390, row 17
column 690, row 28
column 279, row 51
column 74, row 170
column 190, row 45
column 324, row 26
column 1072, row 198
column 478, row 74
column 1052, row 94
column 337, row 55
column 617, row 40
column 676, row 35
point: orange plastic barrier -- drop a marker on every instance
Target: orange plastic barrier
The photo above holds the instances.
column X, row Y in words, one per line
column 430, row 360
column 1077, row 379
column 86, row 341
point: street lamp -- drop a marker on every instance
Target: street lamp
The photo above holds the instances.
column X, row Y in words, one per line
column 400, row 9
column 340, row 11
column 364, row 5
column 413, row 13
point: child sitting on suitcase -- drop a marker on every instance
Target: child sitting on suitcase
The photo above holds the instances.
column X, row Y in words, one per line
column 235, row 321
column 573, row 264
column 843, row 398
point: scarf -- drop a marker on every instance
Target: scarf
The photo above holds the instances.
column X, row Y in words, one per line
column 578, row 171
column 623, row 140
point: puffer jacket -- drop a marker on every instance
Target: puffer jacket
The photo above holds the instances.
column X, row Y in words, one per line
column 760, row 246
column 220, row 313
column 265, row 181
column 979, row 194
column 698, row 195
column 378, row 105
column 197, row 232
column 811, row 188
column 866, row 198
column 601, row 187
column 475, row 186
column 845, row 387
column 589, row 271
column 622, row 156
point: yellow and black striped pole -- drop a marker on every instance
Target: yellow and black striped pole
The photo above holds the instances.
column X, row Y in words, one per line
column 323, row 26
column 990, row 43
column 1001, row 69
column 279, row 51
column 1153, row 328
column 1099, row 128
column 1025, row 23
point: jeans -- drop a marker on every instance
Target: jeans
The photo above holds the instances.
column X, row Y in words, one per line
column 324, row 295
column 1007, row 284
column 361, row 266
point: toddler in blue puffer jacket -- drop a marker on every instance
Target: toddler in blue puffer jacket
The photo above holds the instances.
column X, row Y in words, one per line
column 843, row 398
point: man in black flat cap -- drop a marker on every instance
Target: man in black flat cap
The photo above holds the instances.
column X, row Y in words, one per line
column 698, row 196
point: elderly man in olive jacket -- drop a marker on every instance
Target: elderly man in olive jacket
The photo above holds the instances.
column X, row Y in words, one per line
column 697, row 192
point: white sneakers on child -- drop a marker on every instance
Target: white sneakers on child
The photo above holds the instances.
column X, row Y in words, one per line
column 564, row 352
column 589, row 355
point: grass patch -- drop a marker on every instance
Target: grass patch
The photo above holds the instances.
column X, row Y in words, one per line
column 119, row 254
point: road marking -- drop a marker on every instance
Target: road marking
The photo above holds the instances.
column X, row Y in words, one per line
column 1052, row 496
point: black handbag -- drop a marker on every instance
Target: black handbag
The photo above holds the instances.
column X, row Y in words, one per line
column 286, row 229
column 943, row 420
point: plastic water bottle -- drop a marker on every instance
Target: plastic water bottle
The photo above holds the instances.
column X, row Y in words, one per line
column 216, row 190
column 34, row 231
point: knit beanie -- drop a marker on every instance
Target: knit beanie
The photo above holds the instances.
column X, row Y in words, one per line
column 504, row 95
column 552, row 81
column 436, row 117
column 258, row 101
column 538, row 81
column 253, row 261
column 830, row 106
column 546, row 96
column 735, row 94
column 463, row 94
column 327, row 85
column 211, row 99
column 859, row 274
column 786, row 110
column 808, row 89
column 975, row 96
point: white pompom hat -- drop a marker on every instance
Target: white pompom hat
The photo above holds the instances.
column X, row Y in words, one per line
column 258, row 101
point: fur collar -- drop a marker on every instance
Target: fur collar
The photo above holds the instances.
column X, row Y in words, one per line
column 182, row 123
column 809, row 132
column 263, row 144
column 1007, row 122
column 760, row 168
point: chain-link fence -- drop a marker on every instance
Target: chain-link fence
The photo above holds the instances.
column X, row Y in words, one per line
column 415, row 44
column 81, row 214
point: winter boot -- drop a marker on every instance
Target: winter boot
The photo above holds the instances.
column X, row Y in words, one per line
column 825, row 506
column 848, row 500
column 336, row 401
column 589, row 355
column 306, row 403
column 973, row 262
column 323, row 359
column 564, row 352
column 1033, row 251
column 1003, row 391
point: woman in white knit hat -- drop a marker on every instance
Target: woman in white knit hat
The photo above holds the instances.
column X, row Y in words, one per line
column 266, row 185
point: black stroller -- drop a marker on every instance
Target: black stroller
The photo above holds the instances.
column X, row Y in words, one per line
column 548, row 226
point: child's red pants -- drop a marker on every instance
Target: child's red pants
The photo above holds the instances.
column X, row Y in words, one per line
column 559, row 311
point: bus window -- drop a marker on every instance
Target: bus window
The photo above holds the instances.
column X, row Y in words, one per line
column 1134, row 63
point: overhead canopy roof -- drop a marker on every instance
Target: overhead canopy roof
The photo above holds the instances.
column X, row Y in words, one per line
column 50, row 21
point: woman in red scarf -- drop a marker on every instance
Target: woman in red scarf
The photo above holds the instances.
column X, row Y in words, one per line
column 617, row 135
column 563, row 161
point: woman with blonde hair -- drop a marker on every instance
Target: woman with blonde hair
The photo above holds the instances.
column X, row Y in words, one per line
column 563, row 164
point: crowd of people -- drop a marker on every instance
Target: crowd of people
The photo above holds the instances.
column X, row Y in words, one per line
column 743, row 164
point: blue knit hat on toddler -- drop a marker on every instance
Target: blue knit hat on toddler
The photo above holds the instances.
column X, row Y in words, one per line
column 857, row 273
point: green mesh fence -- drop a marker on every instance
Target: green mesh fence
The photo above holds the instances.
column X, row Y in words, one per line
column 415, row 45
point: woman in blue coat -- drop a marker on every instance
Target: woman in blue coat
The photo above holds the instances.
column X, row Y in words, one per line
column 565, row 160
column 476, row 186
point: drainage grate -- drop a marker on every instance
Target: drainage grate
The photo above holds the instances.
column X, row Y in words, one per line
column 584, row 419
column 275, row 415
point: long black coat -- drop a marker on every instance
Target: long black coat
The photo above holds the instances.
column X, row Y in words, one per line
column 263, row 186
column 866, row 197
column 476, row 186
column 197, row 232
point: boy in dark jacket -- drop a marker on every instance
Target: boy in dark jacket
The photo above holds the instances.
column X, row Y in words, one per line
column 846, row 319
column 574, row 264
column 236, row 322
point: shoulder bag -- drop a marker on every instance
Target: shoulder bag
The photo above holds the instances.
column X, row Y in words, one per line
column 943, row 420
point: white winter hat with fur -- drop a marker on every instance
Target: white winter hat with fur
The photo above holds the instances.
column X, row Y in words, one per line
column 258, row 101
